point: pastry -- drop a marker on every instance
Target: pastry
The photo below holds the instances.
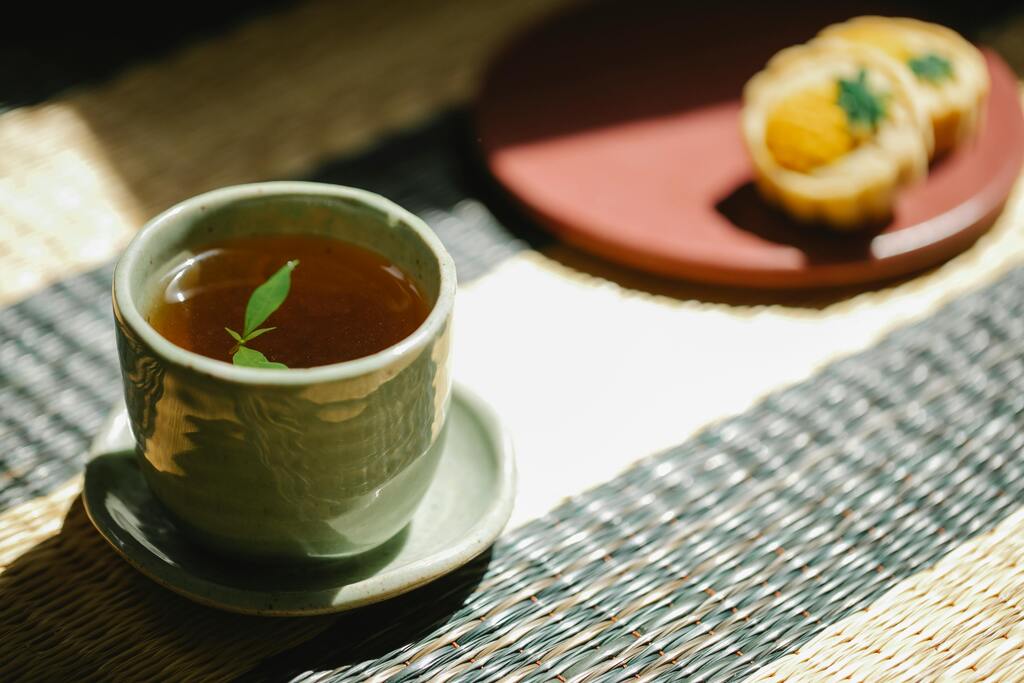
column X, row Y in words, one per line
column 834, row 131
column 949, row 74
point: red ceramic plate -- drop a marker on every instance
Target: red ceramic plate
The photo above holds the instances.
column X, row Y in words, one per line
column 617, row 128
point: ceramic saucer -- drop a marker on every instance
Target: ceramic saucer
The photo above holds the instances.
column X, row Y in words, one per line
column 462, row 513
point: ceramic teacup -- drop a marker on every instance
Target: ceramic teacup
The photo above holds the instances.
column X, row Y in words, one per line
column 276, row 464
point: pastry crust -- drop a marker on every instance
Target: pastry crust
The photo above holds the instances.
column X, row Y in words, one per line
column 954, row 104
column 859, row 187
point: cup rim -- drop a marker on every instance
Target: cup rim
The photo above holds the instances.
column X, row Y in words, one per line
column 430, row 328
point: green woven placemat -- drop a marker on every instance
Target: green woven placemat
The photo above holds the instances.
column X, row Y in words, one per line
column 713, row 559
column 709, row 560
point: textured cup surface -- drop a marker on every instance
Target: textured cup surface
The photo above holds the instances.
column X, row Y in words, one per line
column 286, row 464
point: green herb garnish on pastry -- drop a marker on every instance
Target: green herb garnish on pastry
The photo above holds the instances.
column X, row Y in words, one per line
column 949, row 74
column 833, row 133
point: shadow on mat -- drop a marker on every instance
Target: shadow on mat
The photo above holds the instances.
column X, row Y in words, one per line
column 379, row 631
column 71, row 609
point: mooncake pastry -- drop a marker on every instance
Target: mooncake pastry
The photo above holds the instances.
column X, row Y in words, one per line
column 949, row 74
column 834, row 131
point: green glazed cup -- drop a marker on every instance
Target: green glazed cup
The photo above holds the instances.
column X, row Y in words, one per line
column 301, row 463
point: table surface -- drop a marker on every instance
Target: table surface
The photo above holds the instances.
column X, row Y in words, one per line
column 714, row 483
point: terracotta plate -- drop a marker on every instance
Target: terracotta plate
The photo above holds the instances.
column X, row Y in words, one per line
column 617, row 128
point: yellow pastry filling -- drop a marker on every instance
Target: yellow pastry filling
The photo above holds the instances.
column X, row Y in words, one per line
column 808, row 129
column 817, row 126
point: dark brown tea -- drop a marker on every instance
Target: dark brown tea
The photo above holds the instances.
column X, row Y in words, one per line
column 344, row 302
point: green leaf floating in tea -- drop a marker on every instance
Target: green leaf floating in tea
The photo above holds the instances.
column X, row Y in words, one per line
column 263, row 330
column 252, row 358
column 268, row 297
column 263, row 301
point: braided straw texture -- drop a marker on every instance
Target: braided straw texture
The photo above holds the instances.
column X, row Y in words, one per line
column 717, row 557
column 958, row 621
column 81, row 172
column 69, row 613
column 710, row 560
column 761, row 536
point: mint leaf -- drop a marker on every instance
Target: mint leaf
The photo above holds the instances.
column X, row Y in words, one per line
column 251, row 358
column 863, row 108
column 931, row 67
column 263, row 301
column 255, row 333
column 268, row 297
